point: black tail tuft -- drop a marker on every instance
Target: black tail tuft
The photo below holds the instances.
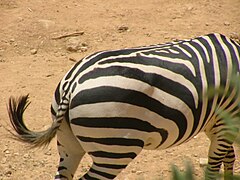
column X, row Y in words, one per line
column 16, row 108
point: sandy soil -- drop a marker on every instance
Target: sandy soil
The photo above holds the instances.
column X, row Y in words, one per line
column 37, row 48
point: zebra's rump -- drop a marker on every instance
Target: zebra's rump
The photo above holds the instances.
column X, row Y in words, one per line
column 152, row 91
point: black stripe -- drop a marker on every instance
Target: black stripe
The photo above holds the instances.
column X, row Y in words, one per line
column 60, row 168
column 234, row 56
column 60, row 177
column 59, row 144
column 113, row 94
column 115, row 122
column 53, row 111
column 230, row 157
column 222, row 60
column 220, row 154
column 110, row 166
column 113, row 141
column 104, row 174
column 222, row 150
column 216, row 159
column 113, row 155
column 88, row 177
column 120, row 123
column 57, row 94
column 72, row 70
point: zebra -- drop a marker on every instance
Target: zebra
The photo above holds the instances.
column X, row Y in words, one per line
column 113, row 104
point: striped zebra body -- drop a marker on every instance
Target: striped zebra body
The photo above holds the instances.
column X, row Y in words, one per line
column 113, row 104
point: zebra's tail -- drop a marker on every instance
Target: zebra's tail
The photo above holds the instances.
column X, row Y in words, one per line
column 16, row 108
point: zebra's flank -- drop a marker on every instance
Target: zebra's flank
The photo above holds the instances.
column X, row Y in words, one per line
column 16, row 108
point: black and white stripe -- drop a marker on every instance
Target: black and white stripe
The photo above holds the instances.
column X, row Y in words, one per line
column 120, row 102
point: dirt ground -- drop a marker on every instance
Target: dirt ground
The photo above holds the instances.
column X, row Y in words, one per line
column 40, row 40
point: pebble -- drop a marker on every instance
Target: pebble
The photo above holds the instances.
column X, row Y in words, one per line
column 8, row 173
column 6, row 151
column 75, row 44
column 48, row 152
column 33, row 51
column 226, row 23
column 139, row 172
column 203, row 162
column 12, row 40
column 122, row 29
column 189, row 8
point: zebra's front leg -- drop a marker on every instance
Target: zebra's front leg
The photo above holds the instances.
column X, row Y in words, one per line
column 70, row 152
column 228, row 162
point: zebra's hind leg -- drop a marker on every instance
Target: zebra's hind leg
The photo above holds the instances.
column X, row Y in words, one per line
column 220, row 152
column 109, row 160
column 70, row 152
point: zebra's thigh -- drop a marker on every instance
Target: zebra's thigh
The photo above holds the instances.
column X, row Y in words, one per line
column 110, row 149
column 70, row 152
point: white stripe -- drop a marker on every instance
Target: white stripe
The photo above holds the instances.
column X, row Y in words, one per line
column 122, row 161
column 184, row 51
column 187, row 63
column 91, row 146
column 204, row 49
column 235, row 51
column 107, row 170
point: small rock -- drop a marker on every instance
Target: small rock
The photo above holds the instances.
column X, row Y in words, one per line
column 6, row 151
column 203, row 162
column 133, row 171
column 48, row 153
column 75, row 44
column 189, row 8
column 122, row 29
column 72, row 59
column 12, row 40
column 226, row 23
column 206, row 24
column 8, row 173
column 235, row 36
column 139, row 172
column 84, row 49
column 49, row 75
column 26, row 156
column 33, row 51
